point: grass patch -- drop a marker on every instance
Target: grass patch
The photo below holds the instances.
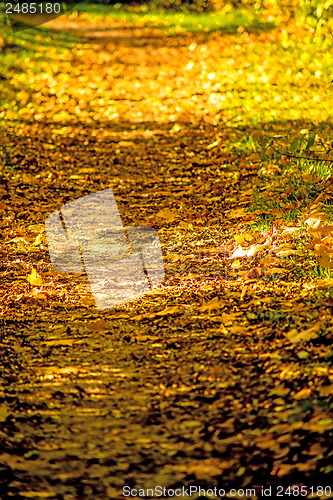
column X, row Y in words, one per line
column 175, row 21
column 286, row 182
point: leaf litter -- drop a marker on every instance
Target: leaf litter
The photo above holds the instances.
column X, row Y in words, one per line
column 223, row 374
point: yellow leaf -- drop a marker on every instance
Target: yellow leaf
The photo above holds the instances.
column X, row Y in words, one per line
column 269, row 260
column 176, row 128
column 314, row 233
column 328, row 240
column 325, row 391
column 205, row 469
column 34, row 278
column 37, row 294
column 214, row 144
column 324, row 283
column 326, row 229
column 39, row 240
column 240, row 238
column 165, row 312
column 274, row 270
column 286, row 252
column 303, row 394
column 235, row 214
column 295, row 336
column 125, row 144
column 87, row 301
column 167, row 214
column 185, row 225
column 228, row 319
column 290, row 230
column 3, row 413
column 210, row 305
column 254, row 249
column 248, row 192
column 313, row 222
column 98, row 326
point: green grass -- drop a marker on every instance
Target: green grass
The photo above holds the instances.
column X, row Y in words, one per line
column 316, row 271
column 175, row 21
column 273, row 316
column 262, row 224
column 296, row 182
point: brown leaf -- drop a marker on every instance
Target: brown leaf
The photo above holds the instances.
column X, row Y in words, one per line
column 98, row 326
column 325, row 391
column 3, row 412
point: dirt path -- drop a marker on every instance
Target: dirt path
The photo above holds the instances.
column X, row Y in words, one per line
column 194, row 384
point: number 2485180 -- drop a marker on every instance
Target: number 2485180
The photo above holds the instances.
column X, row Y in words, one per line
column 308, row 491
column 33, row 8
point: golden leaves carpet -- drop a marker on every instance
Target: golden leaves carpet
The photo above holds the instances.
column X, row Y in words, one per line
column 219, row 378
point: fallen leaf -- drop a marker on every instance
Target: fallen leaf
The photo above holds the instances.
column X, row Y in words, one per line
column 325, row 391
column 3, row 413
column 34, row 278
column 214, row 144
column 167, row 214
column 323, row 249
column 304, row 336
column 98, row 326
column 303, row 394
column 237, row 213
column 325, row 261
column 214, row 303
column 286, row 252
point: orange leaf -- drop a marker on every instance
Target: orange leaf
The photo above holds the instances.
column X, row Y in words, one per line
column 323, row 249
column 167, row 214
column 325, row 261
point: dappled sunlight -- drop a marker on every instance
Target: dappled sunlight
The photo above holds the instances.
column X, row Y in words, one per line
column 213, row 132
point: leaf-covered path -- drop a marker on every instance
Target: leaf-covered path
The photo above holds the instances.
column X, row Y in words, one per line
column 221, row 377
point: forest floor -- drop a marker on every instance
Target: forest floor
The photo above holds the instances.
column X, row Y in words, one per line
column 222, row 376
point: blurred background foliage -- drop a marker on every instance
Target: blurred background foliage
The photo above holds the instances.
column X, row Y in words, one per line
column 313, row 10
